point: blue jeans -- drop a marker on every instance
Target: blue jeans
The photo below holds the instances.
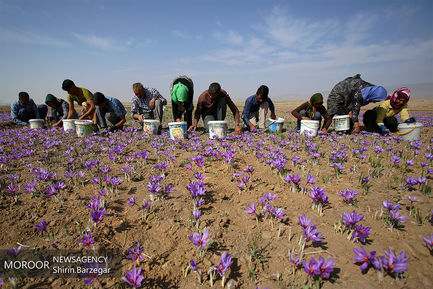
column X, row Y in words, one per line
column 103, row 113
column 317, row 116
column 25, row 115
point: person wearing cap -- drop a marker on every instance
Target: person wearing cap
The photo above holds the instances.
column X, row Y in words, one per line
column 109, row 108
column 59, row 109
column 256, row 109
column 24, row 109
column 382, row 119
column 313, row 110
column 182, row 92
column 82, row 96
column 212, row 105
column 147, row 103
column 349, row 95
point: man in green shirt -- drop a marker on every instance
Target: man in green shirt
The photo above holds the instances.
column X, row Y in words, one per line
column 83, row 97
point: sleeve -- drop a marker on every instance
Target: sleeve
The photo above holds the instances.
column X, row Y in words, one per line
column 119, row 108
column 404, row 113
column 381, row 113
column 65, row 108
column 35, row 109
column 69, row 98
column 326, row 116
column 358, row 100
column 87, row 94
column 134, row 107
column 14, row 115
column 296, row 111
column 53, row 113
column 246, row 111
column 271, row 105
column 234, row 109
column 155, row 94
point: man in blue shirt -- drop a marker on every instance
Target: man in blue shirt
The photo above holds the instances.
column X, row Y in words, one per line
column 109, row 108
column 24, row 109
column 256, row 109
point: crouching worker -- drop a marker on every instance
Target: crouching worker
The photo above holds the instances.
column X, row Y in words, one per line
column 256, row 109
column 313, row 110
column 382, row 119
column 59, row 109
column 109, row 108
column 24, row 109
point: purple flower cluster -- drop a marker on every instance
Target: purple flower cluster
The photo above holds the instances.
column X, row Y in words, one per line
column 394, row 217
column 319, row 268
column 310, row 231
column 318, row 196
column 359, row 232
column 224, row 265
column 412, row 181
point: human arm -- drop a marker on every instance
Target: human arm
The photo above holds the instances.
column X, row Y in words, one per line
column 271, row 108
column 246, row 112
column 326, row 117
column 91, row 111
column 14, row 114
column 236, row 114
column 296, row 111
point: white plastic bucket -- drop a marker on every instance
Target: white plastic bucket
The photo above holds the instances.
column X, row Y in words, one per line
column 341, row 122
column 150, row 126
column 69, row 124
column 309, row 127
column 276, row 125
column 84, row 127
column 218, row 129
column 177, row 129
column 36, row 123
column 410, row 131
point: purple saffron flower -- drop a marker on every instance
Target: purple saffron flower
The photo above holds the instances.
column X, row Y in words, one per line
column 361, row 233
column 134, row 277
column 14, row 252
column 51, row 191
column 12, row 189
column 147, row 204
column 153, row 188
column 396, row 218
column 200, row 241
column 304, row 222
column 388, row 205
column 199, row 177
column 350, row 219
column 278, row 213
column 196, row 214
column 310, row 179
column 249, row 170
column 365, row 180
column 42, row 226
column 395, row 160
column 348, row 195
column 69, row 174
column 80, row 174
column 115, row 181
column 396, row 264
column 168, row 189
column 428, row 242
column 30, row 187
column 311, row 234
column 311, row 267
column 193, row 265
column 97, row 215
column 136, row 254
column 294, row 260
column 413, row 200
column 362, row 257
column 324, row 267
column 87, row 239
column 224, row 265
column 251, row 210
column 410, row 162
column 199, row 202
column 131, row 201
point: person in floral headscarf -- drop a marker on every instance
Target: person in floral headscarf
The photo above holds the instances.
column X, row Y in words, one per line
column 382, row 119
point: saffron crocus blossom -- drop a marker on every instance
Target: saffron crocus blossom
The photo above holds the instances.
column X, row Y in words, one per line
column 87, row 239
column 318, row 195
column 97, row 215
column 147, row 204
column 196, row 214
column 251, row 210
column 193, row 265
column 42, row 226
column 388, row 205
column 310, row 180
column 224, row 265
column 396, row 218
column 136, row 254
column 428, row 242
column 30, row 187
column 311, row 267
column 364, row 258
column 131, row 201
column 199, row 202
column 395, row 160
column 348, row 195
column 350, row 219
column 396, row 264
column 50, row 191
column 413, row 200
column 294, row 260
column 134, row 277
column 361, row 233
column 278, row 213
column 199, row 176
column 324, row 267
column 304, row 222
column 311, row 234
column 14, row 252
column 200, row 241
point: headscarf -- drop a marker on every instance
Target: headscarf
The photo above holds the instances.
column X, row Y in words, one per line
column 49, row 98
column 180, row 93
column 314, row 99
column 373, row 93
column 402, row 93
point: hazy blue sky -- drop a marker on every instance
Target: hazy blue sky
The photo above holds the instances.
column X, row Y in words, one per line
column 295, row 47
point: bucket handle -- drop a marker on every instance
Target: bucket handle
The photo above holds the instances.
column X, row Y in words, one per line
column 404, row 133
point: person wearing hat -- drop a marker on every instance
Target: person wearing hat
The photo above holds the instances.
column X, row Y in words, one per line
column 212, row 105
column 109, row 108
column 24, row 109
column 313, row 110
column 83, row 97
column 347, row 97
column 382, row 119
column 59, row 109
column 256, row 109
column 182, row 92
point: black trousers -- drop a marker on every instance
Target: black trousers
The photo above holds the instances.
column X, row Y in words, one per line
column 371, row 125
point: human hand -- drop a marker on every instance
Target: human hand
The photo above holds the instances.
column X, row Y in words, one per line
column 252, row 126
column 152, row 103
column 384, row 129
column 410, row 120
column 305, row 118
column 192, row 128
column 325, row 131
column 357, row 129
column 238, row 129
column 273, row 116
